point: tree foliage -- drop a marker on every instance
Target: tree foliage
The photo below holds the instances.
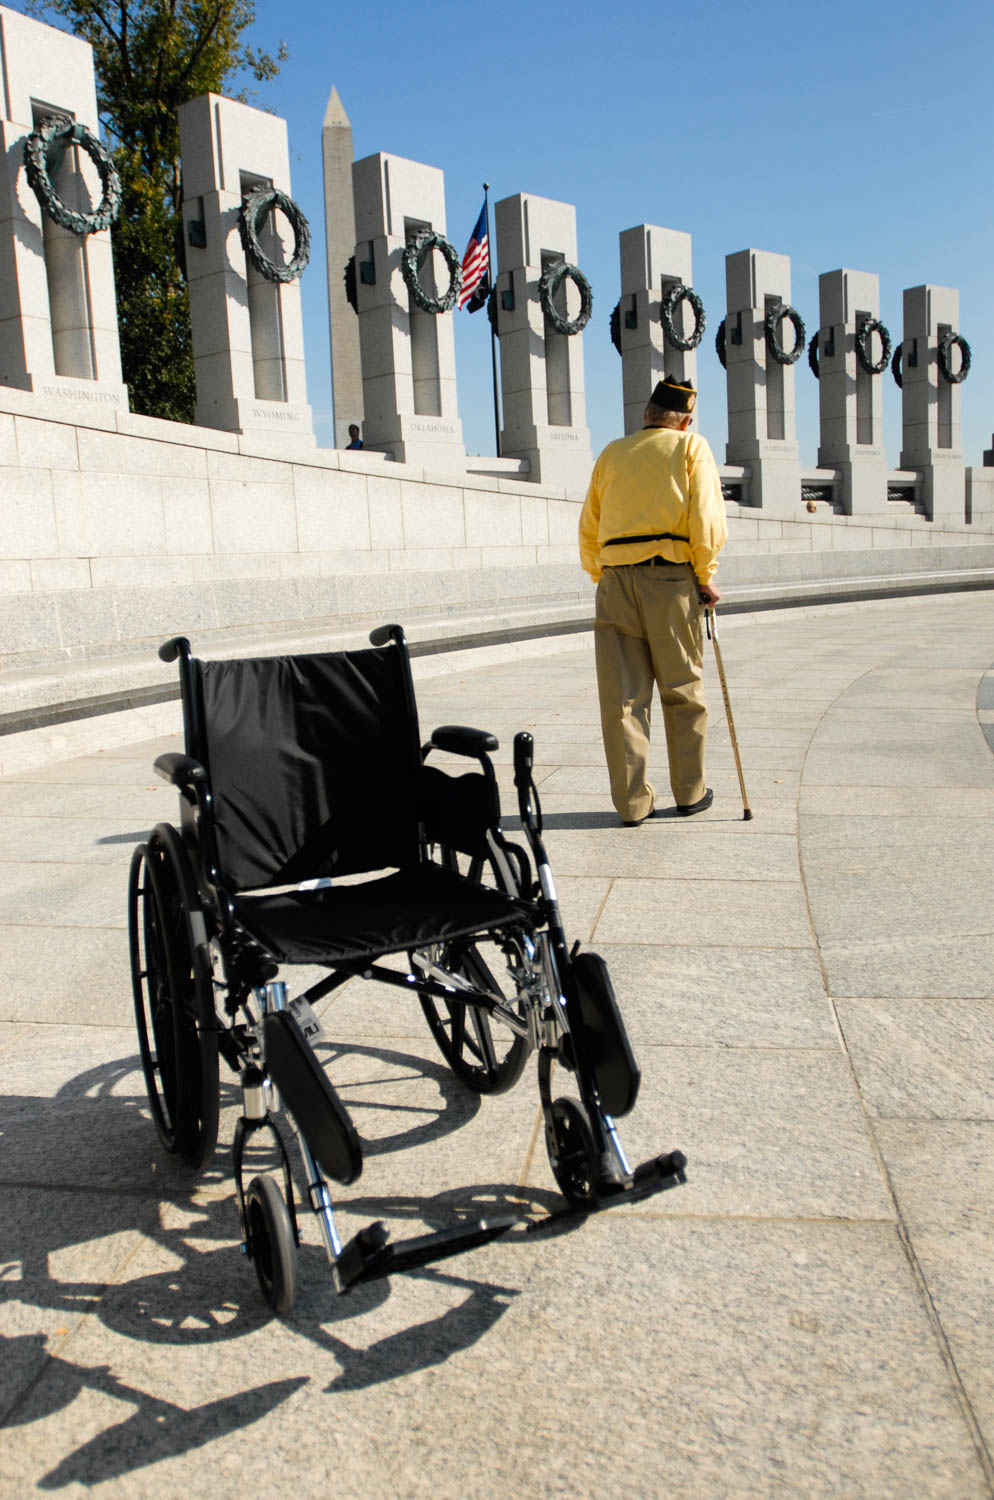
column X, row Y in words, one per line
column 150, row 57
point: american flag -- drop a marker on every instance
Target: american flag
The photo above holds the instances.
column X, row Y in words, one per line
column 476, row 261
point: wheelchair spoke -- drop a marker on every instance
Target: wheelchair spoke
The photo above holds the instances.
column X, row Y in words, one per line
column 457, row 1013
column 485, row 1054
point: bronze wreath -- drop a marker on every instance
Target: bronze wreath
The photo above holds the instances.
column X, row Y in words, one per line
column 863, row 335
column 771, row 325
column 719, row 345
column 895, row 367
column 351, row 284
column 415, row 254
column 679, row 293
column 254, row 208
column 39, row 148
column 549, row 283
column 946, row 346
column 615, row 323
column 814, row 355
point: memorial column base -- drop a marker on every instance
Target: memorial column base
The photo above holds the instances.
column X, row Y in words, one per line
column 556, row 455
column 424, row 441
column 943, row 485
column 775, row 482
column 88, row 394
column 249, row 416
column 862, row 480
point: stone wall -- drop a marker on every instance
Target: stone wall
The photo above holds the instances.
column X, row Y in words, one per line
column 119, row 531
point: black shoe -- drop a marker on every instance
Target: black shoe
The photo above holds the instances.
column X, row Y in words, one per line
column 687, row 809
column 637, row 822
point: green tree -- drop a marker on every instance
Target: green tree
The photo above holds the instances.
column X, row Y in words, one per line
column 150, row 57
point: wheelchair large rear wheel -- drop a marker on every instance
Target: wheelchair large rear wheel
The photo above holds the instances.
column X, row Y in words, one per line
column 483, row 1052
column 173, row 997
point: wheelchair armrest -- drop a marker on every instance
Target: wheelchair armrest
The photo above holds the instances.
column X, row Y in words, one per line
column 457, row 739
column 181, row 770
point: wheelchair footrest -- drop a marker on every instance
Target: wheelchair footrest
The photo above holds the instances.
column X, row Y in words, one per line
column 657, row 1174
column 369, row 1255
column 653, row 1176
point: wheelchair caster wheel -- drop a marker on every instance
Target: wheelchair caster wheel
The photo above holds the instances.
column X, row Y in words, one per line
column 571, row 1153
column 271, row 1244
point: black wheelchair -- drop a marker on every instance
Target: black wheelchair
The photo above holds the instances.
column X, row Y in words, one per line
column 302, row 773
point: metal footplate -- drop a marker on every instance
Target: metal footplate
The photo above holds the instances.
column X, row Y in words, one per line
column 369, row 1255
column 611, row 1186
column 654, row 1176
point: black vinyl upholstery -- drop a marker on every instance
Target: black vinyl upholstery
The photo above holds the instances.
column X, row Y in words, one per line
column 313, row 765
column 339, row 924
column 459, row 809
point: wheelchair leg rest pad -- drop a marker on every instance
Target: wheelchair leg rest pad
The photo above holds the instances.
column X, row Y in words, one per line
column 368, row 1255
column 307, row 1092
column 604, row 1036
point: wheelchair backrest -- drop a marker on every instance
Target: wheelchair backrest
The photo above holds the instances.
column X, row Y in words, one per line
column 313, row 764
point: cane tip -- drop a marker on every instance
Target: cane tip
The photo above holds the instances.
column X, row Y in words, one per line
column 747, row 815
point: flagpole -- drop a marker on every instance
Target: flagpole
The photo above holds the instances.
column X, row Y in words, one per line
column 491, row 252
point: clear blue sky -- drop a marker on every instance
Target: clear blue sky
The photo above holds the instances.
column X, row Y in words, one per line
column 851, row 134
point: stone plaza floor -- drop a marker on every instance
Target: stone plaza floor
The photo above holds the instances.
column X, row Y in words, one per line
column 810, row 997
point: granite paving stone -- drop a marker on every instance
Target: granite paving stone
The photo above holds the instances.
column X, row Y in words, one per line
column 49, row 973
column 943, row 1173
column 723, row 997
column 922, row 1059
column 912, row 965
column 677, row 1369
column 808, row 995
column 772, row 1133
column 748, row 913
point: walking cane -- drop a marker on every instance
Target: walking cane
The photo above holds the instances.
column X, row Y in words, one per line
column 712, row 626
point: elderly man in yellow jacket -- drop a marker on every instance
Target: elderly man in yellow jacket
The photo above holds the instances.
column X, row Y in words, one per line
column 651, row 529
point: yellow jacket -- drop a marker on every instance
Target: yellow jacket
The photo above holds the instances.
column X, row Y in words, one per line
column 655, row 480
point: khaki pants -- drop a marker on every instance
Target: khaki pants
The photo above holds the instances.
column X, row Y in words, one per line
column 648, row 630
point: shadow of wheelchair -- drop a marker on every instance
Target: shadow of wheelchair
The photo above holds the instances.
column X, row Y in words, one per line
column 122, row 1181
column 155, row 1430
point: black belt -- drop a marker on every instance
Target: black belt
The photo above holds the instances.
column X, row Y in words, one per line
column 655, row 536
column 659, row 562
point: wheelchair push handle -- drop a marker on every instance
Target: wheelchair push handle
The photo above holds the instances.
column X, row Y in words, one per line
column 384, row 634
column 524, row 758
column 177, row 645
column 528, row 804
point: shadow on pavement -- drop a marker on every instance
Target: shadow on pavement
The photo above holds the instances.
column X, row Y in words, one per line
column 206, row 1292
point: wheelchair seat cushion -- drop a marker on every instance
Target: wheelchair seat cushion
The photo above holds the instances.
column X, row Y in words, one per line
column 349, row 923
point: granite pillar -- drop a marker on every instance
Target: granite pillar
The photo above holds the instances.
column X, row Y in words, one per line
column 408, row 355
column 930, row 406
column 58, row 315
column 248, row 338
column 542, row 383
column 850, row 398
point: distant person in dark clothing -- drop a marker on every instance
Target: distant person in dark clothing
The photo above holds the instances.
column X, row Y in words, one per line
column 355, row 441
